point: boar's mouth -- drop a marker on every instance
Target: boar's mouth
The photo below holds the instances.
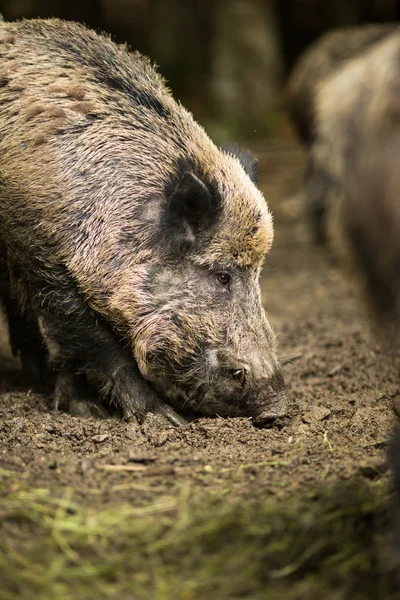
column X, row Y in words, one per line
column 275, row 410
column 265, row 402
column 219, row 393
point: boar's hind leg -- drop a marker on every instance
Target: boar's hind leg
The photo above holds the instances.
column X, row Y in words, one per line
column 26, row 340
column 88, row 345
column 70, row 396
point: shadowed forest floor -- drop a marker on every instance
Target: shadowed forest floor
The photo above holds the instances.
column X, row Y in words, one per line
column 218, row 509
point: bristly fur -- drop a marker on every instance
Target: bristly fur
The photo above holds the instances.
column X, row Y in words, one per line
column 357, row 116
column 324, row 57
column 328, row 56
column 246, row 159
column 93, row 148
column 358, row 123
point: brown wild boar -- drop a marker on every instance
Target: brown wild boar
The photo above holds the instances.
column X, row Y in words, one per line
column 131, row 237
column 328, row 55
column 356, row 117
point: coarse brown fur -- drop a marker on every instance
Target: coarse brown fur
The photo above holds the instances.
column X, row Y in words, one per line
column 98, row 162
column 326, row 57
column 358, row 123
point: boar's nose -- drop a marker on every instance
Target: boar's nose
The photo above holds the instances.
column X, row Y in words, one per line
column 273, row 404
column 266, row 417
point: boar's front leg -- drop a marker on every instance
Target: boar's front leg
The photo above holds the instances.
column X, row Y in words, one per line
column 126, row 383
column 89, row 346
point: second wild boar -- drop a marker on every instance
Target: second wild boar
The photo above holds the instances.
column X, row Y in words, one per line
column 327, row 56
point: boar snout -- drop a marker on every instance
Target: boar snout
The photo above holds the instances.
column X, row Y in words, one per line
column 270, row 402
column 258, row 386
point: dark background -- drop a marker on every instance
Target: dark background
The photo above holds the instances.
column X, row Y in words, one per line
column 226, row 60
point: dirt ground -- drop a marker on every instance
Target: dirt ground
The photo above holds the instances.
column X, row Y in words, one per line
column 342, row 385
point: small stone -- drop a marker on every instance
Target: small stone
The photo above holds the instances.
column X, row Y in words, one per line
column 319, row 413
column 101, row 437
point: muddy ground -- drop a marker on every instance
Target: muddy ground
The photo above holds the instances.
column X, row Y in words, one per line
column 342, row 384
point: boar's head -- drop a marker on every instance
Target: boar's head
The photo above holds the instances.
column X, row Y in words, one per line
column 203, row 337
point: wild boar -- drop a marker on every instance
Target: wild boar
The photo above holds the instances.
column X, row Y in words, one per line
column 358, row 142
column 328, row 55
column 357, row 118
column 135, row 241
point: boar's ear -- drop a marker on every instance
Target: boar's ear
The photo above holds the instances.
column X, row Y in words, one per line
column 191, row 208
column 246, row 159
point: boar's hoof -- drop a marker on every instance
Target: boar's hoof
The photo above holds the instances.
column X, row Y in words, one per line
column 137, row 398
column 164, row 419
column 69, row 397
column 87, row 408
column 161, row 413
column 167, row 416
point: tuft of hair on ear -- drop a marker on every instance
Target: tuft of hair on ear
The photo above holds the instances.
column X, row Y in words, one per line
column 246, row 159
column 192, row 209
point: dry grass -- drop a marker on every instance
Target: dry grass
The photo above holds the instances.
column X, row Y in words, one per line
column 333, row 544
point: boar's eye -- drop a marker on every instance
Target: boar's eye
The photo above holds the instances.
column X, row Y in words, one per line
column 223, row 278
